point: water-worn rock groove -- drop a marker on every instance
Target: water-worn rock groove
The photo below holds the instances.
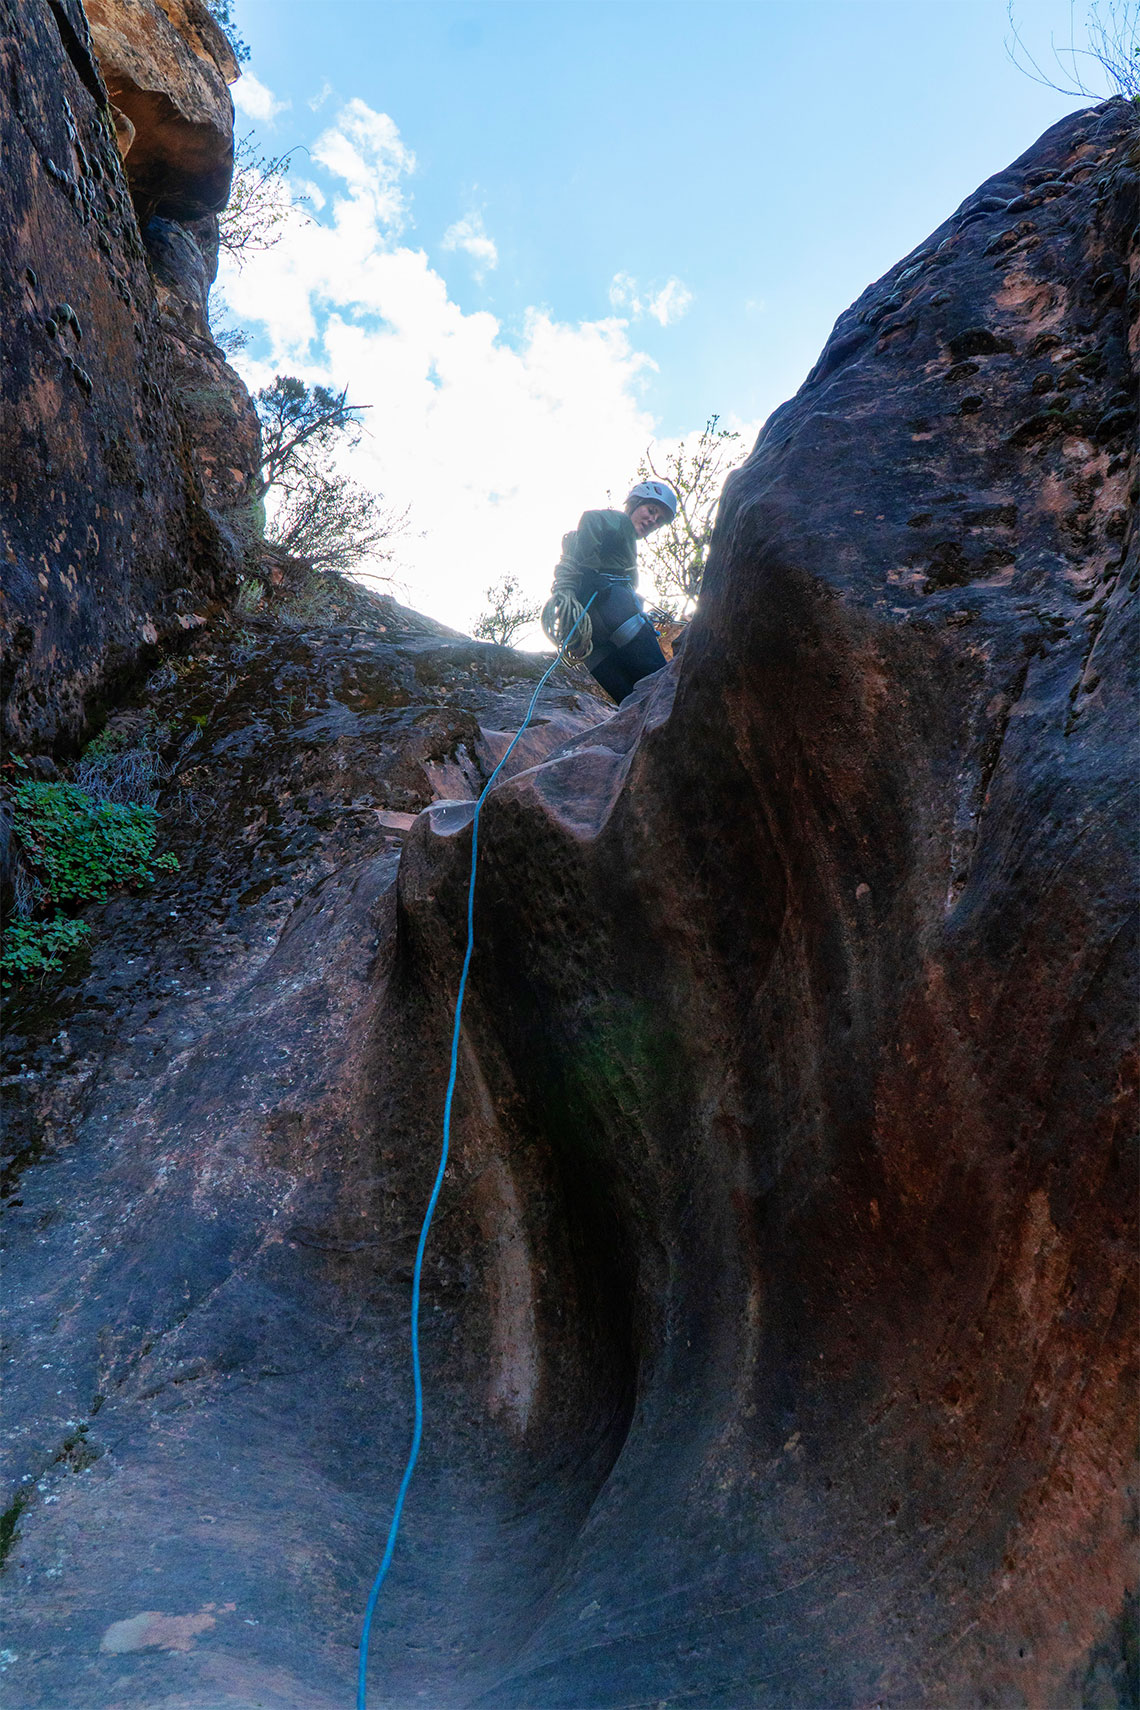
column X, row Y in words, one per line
column 780, row 1311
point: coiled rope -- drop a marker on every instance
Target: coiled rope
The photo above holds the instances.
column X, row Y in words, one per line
column 417, row 1379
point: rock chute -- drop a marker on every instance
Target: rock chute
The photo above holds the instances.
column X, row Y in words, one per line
column 845, row 1048
column 781, row 1303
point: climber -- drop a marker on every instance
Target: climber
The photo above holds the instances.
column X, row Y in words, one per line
column 614, row 637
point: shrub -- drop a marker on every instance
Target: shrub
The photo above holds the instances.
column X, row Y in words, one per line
column 120, row 765
column 507, row 612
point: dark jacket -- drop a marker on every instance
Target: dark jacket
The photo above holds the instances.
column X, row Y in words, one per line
column 602, row 547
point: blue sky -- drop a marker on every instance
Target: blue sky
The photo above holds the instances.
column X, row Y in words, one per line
column 551, row 230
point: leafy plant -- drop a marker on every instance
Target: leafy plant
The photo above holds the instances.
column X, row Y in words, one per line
column 73, row 849
column 33, row 948
column 84, row 849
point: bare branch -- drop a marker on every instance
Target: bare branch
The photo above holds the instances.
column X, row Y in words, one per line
column 506, row 613
column 1113, row 37
column 260, row 205
column 335, row 524
column 676, row 555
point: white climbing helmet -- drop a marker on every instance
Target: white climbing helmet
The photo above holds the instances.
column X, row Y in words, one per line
column 659, row 491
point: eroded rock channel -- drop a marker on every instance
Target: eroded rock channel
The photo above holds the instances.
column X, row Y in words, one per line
column 780, row 1309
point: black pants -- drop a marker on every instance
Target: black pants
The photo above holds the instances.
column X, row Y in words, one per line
column 625, row 647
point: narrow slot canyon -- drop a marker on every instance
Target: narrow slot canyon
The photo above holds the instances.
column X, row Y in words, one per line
column 779, row 1311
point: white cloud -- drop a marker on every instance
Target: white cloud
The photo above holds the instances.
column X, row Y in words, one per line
column 665, row 306
column 623, row 293
column 670, row 303
column 469, row 235
column 252, row 98
column 496, row 442
column 364, row 149
column 317, row 101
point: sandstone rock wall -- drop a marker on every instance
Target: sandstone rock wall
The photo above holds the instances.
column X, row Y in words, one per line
column 218, row 416
column 112, row 548
column 166, row 68
column 780, row 1311
column 230, row 1035
column 839, row 1082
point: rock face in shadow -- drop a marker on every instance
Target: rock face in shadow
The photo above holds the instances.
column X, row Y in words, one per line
column 116, row 404
column 219, row 419
column 212, row 1184
column 779, row 1315
column 844, row 1054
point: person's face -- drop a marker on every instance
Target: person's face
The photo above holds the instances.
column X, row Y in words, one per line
column 647, row 516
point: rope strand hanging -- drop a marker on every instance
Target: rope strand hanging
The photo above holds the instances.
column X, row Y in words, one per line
column 417, row 1273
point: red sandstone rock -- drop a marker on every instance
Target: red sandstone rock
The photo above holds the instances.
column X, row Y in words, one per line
column 836, row 1087
column 779, row 1314
column 217, row 413
column 109, row 550
column 166, row 67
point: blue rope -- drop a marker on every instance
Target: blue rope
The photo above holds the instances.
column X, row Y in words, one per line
column 417, row 1380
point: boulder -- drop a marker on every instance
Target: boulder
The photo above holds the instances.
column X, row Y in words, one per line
column 166, row 67
column 109, row 549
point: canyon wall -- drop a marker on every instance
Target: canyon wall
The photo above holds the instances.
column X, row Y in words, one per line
column 116, row 540
column 811, row 980
column 779, row 1312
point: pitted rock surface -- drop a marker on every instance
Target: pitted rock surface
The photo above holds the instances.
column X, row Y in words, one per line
column 780, row 1311
column 109, row 549
column 219, row 420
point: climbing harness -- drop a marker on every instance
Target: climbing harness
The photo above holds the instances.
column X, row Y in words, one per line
column 417, row 1380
